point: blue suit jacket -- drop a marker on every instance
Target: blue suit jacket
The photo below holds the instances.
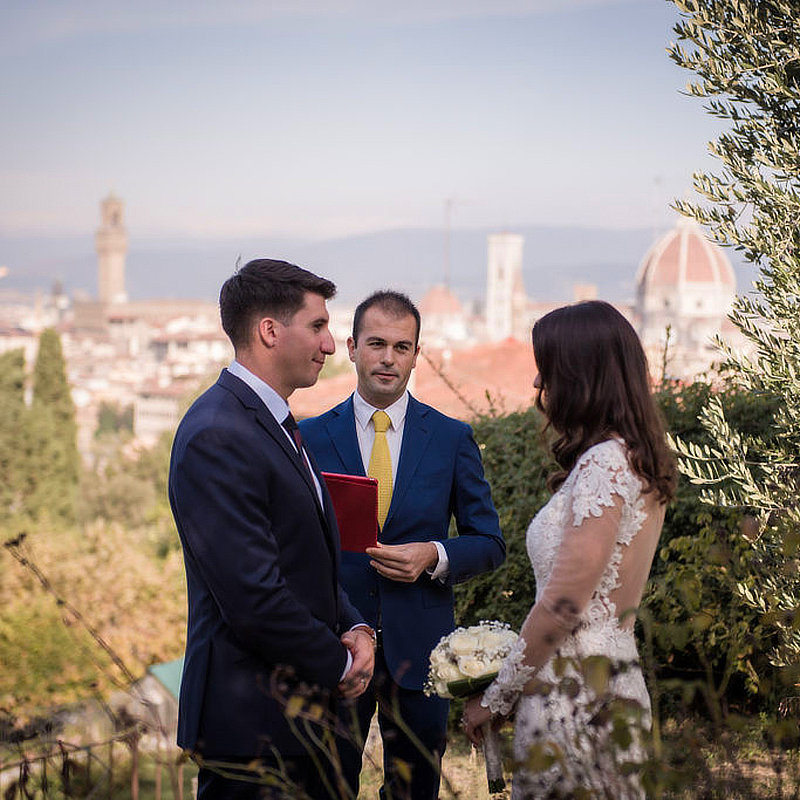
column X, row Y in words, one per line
column 262, row 558
column 439, row 475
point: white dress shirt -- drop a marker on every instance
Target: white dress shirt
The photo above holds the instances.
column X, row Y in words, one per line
column 365, row 432
column 276, row 406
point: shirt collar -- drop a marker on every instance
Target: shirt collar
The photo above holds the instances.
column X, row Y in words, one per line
column 275, row 404
column 363, row 410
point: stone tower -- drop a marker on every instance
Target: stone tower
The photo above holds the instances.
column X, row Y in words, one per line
column 505, row 291
column 111, row 243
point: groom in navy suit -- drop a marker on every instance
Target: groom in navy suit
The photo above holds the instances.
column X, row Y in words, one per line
column 429, row 470
column 261, row 549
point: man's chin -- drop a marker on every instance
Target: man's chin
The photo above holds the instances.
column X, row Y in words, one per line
column 387, row 394
column 309, row 381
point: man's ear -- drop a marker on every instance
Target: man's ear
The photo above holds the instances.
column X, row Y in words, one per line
column 351, row 348
column 414, row 362
column 267, row 331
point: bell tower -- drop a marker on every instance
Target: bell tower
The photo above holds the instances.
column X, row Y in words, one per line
column 111, row 242
column 505, row 291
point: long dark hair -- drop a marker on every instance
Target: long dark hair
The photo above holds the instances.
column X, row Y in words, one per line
column 595, row 384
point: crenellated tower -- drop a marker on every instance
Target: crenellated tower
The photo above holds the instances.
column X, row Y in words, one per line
column 111, row 242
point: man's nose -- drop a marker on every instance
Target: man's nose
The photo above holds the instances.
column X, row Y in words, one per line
column 328, row 345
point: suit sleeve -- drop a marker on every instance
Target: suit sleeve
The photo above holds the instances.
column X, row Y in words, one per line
column 479, row 546
column 221, row 509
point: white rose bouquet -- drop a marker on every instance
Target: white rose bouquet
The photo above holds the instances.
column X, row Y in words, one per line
column 464, row 663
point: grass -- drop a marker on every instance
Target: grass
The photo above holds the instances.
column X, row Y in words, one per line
column 463, row 770
column 741, row 763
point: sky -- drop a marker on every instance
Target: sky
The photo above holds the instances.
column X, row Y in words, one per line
column 329, row 118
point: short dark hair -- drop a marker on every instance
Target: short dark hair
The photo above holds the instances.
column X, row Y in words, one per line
column 593, row 372
column 265, row 286
column 392, row 302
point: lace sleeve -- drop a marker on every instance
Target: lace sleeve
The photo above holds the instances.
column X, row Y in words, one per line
column 601, row 472
column 502, row 694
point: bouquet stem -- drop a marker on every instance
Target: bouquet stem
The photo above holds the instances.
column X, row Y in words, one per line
column 493, row 758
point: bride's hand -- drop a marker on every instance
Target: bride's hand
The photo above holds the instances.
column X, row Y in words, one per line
column 475, row 715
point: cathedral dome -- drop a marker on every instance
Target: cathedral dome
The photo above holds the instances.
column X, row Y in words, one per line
column 440, row 300
column 683, row 257
column 684, row 289
column 443, row 319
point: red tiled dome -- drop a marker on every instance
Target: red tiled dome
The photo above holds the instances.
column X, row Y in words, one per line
column 439, row 300
column 685, row 256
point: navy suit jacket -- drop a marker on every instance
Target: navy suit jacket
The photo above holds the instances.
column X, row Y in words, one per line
column 439, row 475
column 262, row 558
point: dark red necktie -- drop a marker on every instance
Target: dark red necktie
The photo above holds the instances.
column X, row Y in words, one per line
column 291, row 426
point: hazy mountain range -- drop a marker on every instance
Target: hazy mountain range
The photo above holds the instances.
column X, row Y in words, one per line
column 410, row 259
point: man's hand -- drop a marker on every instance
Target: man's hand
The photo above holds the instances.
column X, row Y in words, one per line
column 362, row 648
column 403, row 562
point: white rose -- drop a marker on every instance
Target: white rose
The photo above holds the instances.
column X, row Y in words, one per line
column 449, row 672
column 488, row 640
column 462, row 642
column 471, row 667
column 497, row 640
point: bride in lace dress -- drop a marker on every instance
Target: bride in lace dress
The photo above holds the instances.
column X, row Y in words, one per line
column 591, row 548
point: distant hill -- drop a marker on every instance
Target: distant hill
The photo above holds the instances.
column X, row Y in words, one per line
column 410, row 259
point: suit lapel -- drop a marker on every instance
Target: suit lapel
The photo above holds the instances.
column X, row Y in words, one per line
column 264, row 418
column 251, row 400
column 327, row 512
column 416, row 437
column 342, row 429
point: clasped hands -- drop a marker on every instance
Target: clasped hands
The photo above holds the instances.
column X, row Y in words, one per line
column 362, row 648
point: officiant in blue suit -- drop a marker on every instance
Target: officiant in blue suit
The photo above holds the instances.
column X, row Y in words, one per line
column 429, row 469
column 261, row 549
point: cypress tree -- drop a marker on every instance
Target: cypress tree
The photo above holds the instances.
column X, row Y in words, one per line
column 52, row 438
column 12, row 421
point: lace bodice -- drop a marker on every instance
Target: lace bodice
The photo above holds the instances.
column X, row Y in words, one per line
column 601, row 474
column 579, row 545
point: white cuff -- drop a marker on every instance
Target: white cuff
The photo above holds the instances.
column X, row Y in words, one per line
column 347, row 666
column 442, row 568
column 503, row 692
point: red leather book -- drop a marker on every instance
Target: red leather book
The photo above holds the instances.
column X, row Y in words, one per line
column 355, row 502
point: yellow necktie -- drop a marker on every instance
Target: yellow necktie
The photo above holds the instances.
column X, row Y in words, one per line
column 380, row 464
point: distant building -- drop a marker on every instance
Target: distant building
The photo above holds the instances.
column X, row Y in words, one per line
column 506, row 301
column 15, row 338
column 148, row 353
column 685, row 286
column 111, row 242
column 510, row 313
column 444, row 321
column 156, row 410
